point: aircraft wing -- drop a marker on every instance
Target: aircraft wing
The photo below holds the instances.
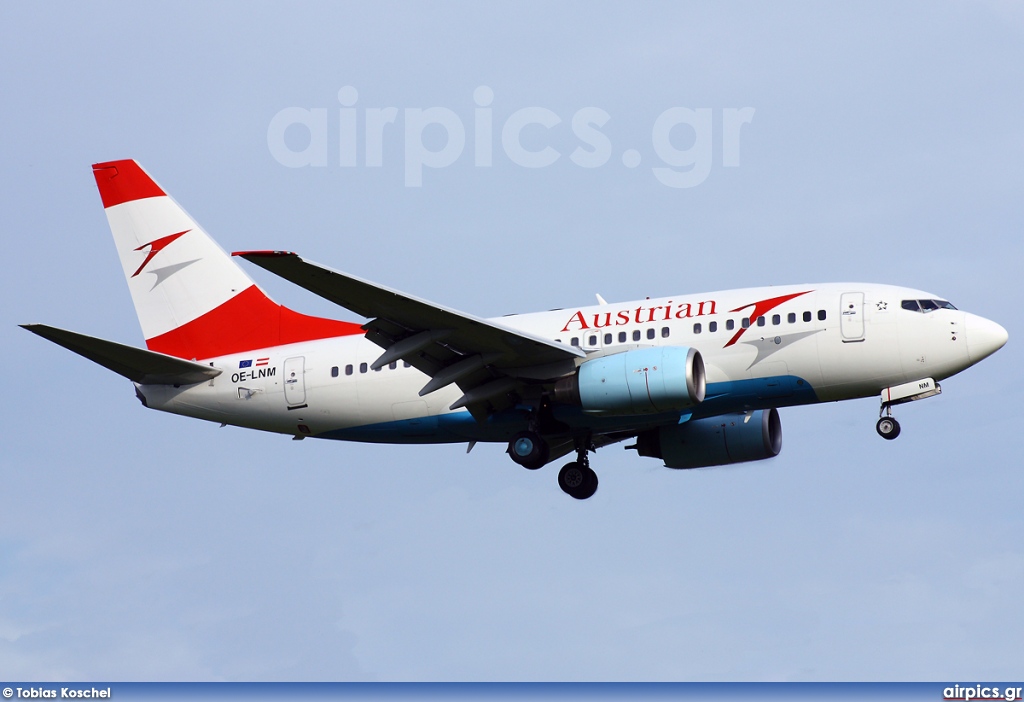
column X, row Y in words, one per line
column 485, row 359
column 138, row 365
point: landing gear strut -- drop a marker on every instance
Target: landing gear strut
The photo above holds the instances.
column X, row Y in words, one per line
column 577, row 479
column 887, row 426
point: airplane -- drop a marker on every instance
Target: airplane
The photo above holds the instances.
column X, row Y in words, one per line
column 693, row 380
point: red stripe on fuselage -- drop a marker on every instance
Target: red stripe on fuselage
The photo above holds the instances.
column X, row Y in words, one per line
column 123, row 181
column 246, row 322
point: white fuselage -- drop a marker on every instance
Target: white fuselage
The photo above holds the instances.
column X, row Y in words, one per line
column 804, row 344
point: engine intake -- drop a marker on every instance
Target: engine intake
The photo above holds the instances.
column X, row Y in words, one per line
column 715, row 441
column 641, row 381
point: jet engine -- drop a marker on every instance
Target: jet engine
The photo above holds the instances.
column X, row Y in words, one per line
column 715, row 441
column 641, row 381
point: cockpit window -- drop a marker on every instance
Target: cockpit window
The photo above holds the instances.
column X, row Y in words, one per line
column 926, row 305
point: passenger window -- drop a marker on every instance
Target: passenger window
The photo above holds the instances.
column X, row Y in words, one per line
column 760, row 321
column 665, row 332
column 362, row 367
column 650, row 333
column 776, row 320
column 607, row 339
column 378, row 369
column 712, row 327
column 791, row 318
column 622, row 337
column 636, row 335
column 730, row 325
column 575, row 341
column 746, row 322
column 393, row 365
column 334, row 371
column 807, row 316
column 821, row 315
column 348, row 369
column 405, row 364
column 696, row 328
column 592, row 341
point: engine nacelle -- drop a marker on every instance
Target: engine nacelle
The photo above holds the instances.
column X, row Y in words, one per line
column 641, row 381
column 715, row 441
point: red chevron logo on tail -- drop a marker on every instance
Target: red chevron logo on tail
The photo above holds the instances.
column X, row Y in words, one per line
column 156, row 246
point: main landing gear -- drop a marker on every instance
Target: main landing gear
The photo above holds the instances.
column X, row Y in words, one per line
column 529, row 449
column 577, row 479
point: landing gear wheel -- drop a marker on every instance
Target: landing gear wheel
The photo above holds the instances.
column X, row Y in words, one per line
column 591, row 485
column 529, row 449
column 577, row 480
column 888, row 428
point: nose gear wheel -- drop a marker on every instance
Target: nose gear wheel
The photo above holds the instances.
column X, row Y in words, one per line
column 887, row 426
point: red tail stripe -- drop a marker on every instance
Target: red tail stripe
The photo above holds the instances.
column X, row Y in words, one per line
column 123, row 181
column 246, row 322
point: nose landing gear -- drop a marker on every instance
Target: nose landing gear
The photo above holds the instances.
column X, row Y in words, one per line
column 887, row 427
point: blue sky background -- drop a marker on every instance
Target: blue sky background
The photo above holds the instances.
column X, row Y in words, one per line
column 887, row 145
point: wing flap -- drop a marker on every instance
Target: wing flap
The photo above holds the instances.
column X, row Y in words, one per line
column 138, row 365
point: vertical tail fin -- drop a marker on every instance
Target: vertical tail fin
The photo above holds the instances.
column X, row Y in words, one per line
column 192, row 299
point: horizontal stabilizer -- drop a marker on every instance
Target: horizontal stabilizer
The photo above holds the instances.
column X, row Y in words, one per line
column 138, row 365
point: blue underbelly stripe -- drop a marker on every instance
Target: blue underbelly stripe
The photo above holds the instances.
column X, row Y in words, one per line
column 457, row 427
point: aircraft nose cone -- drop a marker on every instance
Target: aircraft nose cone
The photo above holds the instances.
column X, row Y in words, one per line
column 984, row 337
